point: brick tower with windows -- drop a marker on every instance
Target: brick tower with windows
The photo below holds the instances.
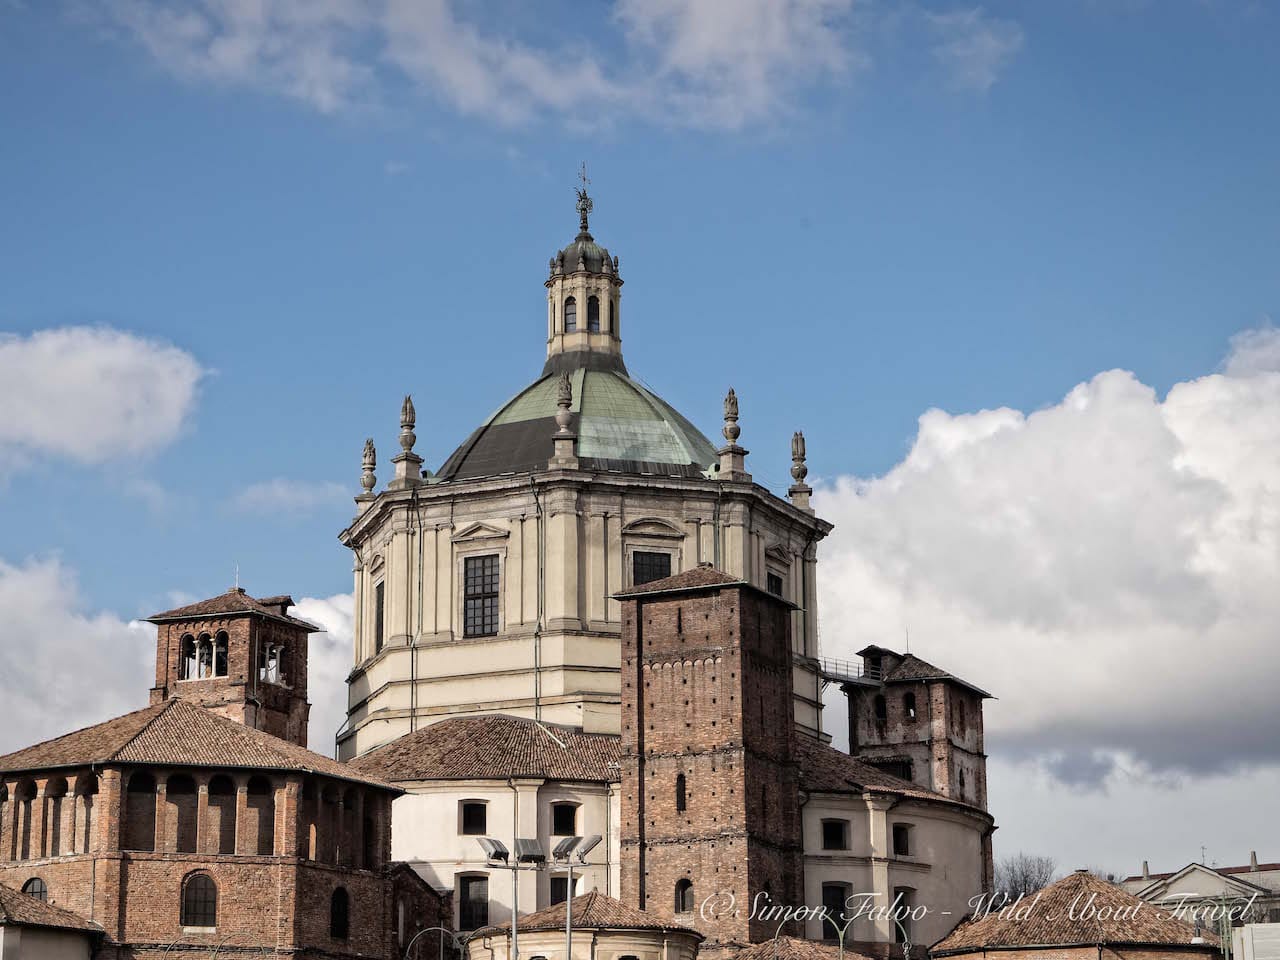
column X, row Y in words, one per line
column 918, row 722
column 710, row 782
column 240, row 657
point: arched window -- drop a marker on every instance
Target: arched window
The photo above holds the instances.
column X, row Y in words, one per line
column 909, row 705
column 139, row 828
column 593, row 314
column 684, row 896
column 220, row 655
column 570, row 315
column 25, row 798
column 681, row 798
column 204, row 658
column 182, row 808
column 613, row 327
column 220, row 823
column 35, row 888
column 339, row 914
column 199, row 901
column 261, row 815
column 187, row 668
column 881, row 710
column 55, row 807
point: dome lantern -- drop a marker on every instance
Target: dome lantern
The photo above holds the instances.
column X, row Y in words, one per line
column 584, row 300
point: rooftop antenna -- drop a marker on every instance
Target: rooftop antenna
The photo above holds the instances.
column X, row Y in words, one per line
column 907, row 631
column 237, row 576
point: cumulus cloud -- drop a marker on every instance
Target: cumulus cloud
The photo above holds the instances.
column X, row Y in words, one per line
column 90, row 394
column 61, row 667
column 974, row 47
column 329, row 658
column 283, row 496
column 1106, row 566
column 715, row 64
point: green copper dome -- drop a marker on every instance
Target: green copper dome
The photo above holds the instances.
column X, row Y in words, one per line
column 621, row 427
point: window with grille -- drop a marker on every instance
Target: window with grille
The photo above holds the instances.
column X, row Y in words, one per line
column 200, row 901
column 647, row 566
column 570, row 315
column 473, row 902
column 775, row 584
column 35, row 887
column 480, row 596
column 475, row 818
column 593, row 314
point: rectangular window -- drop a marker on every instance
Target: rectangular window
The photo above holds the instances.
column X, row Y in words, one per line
column 775, row 584
column 834, row 897
column 835, row 834
column 901, row 840
column 559, row 889
column 475, row 818
column 564, row 819
column 480, row 596
column 902, row 925
column 379, row 616
column 473, row 902
column 647, row 566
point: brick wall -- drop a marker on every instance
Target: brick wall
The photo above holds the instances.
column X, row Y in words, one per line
column 707, row 697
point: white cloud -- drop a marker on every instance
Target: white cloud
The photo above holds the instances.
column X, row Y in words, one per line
column 90, row 394
column 974, row 47
column 283, row 496
column 1106, row 566
column 62, row 668
column 329, row 659
column 714, row 64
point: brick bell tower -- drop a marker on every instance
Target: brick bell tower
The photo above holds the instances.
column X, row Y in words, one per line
column 242, row 658
column 710, row 784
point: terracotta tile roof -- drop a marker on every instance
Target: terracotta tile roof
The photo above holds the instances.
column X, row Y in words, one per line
column 593, row 910
column 1068, row 913
column 19, row 909
column 179, row 733
column 494, row 746
column 912, row 668
column 793, row 948
column 703, row 575
column 825, row 769
column 233, row 601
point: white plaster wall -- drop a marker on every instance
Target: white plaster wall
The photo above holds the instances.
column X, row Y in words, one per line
column 426, row 832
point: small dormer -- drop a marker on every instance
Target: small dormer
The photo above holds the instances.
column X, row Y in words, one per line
column 584, row 306
column 878, row 662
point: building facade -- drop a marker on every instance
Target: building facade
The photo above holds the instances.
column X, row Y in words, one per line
column 488, row 585
column 590, row 620
column 176, row 829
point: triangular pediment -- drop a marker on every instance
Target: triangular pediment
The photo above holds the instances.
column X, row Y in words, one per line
column 778, row 553
column 480, row 531
column 652, row 527
column 1199, row 880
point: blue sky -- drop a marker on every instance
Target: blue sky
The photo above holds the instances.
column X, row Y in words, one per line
column 852, row 213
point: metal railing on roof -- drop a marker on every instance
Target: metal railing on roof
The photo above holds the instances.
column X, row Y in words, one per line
column 838, row 670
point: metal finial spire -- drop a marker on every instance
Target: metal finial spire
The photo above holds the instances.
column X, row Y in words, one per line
column 585, row 206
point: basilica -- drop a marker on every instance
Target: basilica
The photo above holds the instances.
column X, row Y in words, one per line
column 588, row 622
column 496, row 606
